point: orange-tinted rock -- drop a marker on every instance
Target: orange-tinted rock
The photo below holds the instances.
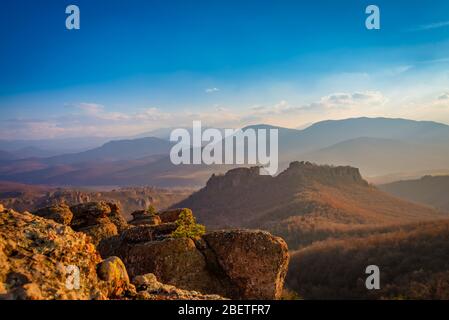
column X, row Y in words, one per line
column 143, row 217
column 238, row 264
column 59, row 213
column 255, row 261
column 171, row 215
column 35, row 254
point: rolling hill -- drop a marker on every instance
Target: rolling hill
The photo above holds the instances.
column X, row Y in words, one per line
column 430, row 190
column 115, row 151
column 378, row 156
column 303, row 204
column 4, row 155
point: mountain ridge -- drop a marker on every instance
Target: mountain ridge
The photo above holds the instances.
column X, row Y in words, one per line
column 304, row 203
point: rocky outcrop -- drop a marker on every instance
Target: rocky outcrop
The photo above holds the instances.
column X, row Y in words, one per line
column 41, row 259
column 38, row 256
column 171, row 215
column 59, row 213
column 242, row 198
column 99, row 220
column 21, row 197
column 142, row 217
column 238, row 264
column 330, row 175
column 149, row 288
column 255, row 261
column 113, row 271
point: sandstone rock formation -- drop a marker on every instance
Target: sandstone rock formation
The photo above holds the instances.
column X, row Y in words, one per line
column 141, row 217
column 302, row 204
column 171, row 215
column 255, row 261
column 100, row 220
column 149, row 288
column 59, row 213
column 239, row 264
column 39, row 259
column 113, row 271
column 37, row 256
column 21, row 197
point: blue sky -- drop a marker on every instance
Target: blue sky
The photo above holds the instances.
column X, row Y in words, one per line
column 139, row 65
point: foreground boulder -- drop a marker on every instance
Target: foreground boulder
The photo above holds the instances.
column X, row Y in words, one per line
column 39, row 259
column 37, row 256
column 238, row 264
column 176, row 262
column 255, row 261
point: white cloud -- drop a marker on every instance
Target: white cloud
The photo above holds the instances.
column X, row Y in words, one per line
column 346, row 100
column 430, row 26
column 96, row 120
column 211, row 90
column 443, row 96
column 90, row 108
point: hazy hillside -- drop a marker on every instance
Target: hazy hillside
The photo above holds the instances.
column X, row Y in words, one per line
column 6, row 155
column 57, row 145
column 384, row 128
column 376, row 156
column 433, row 191
column 378, row 146
column 303, row 204
column 412, row 260
column 117, row 150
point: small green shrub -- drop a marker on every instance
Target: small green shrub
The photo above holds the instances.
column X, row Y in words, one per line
column 151, row 210
column 187, row 226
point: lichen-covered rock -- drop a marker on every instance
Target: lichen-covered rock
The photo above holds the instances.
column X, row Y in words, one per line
column 100, row 220
column 171, row 215
column 87, row 214
column 255, row 261
column 103, row 229
column 36, row 255
column 238, row 264
column 148, row 233
column 43, row 260
column 113, row 271
column 60, row 213
column 149, row 288
column 144, row 217
column 117, row 218
column 174, row 261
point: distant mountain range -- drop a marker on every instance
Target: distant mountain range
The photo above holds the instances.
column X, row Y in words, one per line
column 433, row 191
column 56, row 145
column 378, row 146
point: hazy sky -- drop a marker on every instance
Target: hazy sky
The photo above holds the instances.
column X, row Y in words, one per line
column 139, row 65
